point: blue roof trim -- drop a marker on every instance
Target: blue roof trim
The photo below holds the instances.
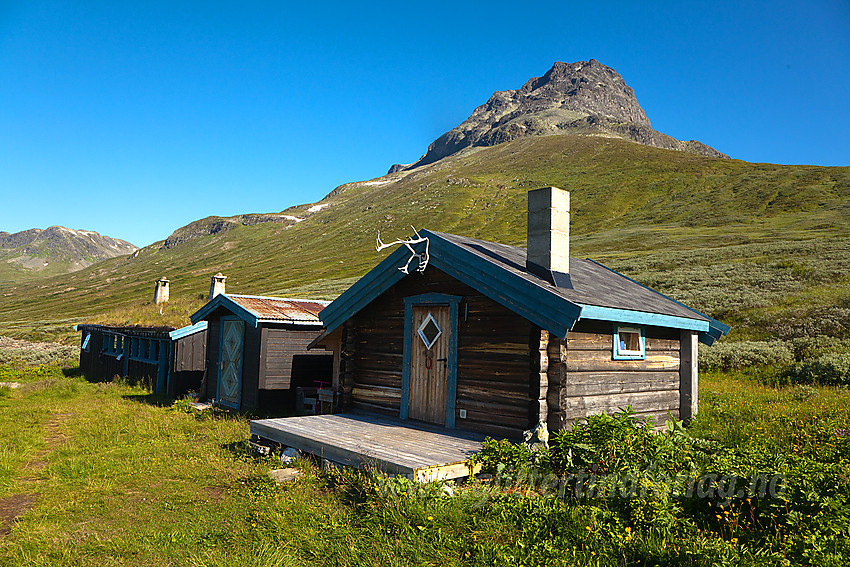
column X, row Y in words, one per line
column 221, row 300
column 375, row 282
column 189, row 330
column 716, row 328
column 543, row 308
column 642, row 318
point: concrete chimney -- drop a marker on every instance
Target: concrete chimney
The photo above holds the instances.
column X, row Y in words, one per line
column 549, row 235
column 160, row 292
column 217, row 285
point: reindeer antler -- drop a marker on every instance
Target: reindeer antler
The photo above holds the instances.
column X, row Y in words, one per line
column 423, row 259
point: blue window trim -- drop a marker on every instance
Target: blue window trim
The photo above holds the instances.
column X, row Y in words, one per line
column 241, row 361
column 145, row 350
column 437, row 299
column 630, row 355
column 112, row 344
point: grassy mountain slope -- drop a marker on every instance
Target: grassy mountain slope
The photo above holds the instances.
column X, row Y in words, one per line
column 764, row 247
column 56, row 250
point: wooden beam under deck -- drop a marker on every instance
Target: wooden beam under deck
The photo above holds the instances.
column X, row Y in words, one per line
column 394, row 446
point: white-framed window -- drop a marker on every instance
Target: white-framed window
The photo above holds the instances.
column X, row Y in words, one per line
column 629, row 343
column 429, row 331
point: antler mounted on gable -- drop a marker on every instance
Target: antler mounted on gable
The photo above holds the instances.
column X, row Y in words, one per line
column 423, row 258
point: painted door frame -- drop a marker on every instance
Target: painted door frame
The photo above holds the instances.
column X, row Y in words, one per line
column 424, row 300
column 241, row 361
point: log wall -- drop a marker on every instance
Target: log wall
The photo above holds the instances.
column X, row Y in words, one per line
column 494, row 370
column 585, row 379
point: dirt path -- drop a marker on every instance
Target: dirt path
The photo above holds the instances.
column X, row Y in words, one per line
column 15, row 506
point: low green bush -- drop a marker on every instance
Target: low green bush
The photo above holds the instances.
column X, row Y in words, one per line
column 805, row 348
column 828, row 369
column 745, row 354
column 33, row 356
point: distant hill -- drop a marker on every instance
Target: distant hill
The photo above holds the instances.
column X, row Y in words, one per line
column 585, row 97
column 765, row 248
column 55, row 250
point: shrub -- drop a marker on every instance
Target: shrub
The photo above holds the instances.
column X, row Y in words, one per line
column 829, row 369
column 745, row 354
column 508, row 461
column 805, row 348
column 39, row 353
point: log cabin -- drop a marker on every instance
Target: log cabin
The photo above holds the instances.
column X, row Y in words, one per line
column 171, row 361
column 472, row 335
column 257, row 349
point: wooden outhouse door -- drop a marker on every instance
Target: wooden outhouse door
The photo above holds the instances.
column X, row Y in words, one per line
column 429, row 363
column 230, row 377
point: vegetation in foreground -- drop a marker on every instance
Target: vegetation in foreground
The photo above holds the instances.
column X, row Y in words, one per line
column 106, row 474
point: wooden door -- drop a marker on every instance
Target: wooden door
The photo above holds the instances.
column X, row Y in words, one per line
column 230, row 378
column 429, row 363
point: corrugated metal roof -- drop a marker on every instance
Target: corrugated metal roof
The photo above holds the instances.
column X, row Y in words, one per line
column 281, row 309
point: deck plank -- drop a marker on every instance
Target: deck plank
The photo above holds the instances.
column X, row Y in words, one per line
column 371, row 441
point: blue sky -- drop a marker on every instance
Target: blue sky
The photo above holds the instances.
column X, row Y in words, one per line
column 133, row 119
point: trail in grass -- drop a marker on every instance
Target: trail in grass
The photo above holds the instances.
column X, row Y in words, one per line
column 14, row 506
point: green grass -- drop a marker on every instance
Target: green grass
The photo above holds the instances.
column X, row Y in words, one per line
column 123, row 478
column 696, row 227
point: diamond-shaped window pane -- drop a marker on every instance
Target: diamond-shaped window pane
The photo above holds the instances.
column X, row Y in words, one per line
column 429, row 331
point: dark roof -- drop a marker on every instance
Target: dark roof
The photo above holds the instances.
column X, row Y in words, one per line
column 592, row 283
column 256, row 309
column 499, row 272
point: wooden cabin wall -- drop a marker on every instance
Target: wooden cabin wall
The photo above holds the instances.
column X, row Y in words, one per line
column 584, row 379
column 278, row 346
column 90, row 364
column 143, row 373
column 493, row 356
column 213, row 346
column 188, row 363
column 251, row 367
column 97, row 365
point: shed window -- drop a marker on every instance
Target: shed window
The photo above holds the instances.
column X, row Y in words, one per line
column 86, row 339
column 629, row 343
column 429, row 331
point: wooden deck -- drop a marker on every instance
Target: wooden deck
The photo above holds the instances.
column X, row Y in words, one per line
column 394, row 446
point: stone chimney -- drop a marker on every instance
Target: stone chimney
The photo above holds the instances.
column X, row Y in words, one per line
column 216, row 285
column 549, row 235
column 160, row 292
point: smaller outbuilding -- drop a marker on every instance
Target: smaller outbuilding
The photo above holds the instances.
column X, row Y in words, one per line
column 171, row 361
column 257, row 350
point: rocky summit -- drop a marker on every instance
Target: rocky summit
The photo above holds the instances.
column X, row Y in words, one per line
column 585, row 97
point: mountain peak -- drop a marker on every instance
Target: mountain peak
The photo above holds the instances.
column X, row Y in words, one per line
column 585, row 97
column 55, row 250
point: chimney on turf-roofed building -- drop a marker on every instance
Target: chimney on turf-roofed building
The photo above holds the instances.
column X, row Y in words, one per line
column 548, row 247
column 217, row 285
column 160, row 292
